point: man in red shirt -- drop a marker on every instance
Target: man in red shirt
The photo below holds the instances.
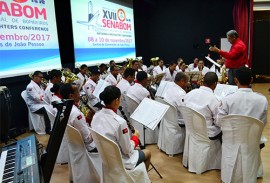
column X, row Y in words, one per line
column 236, row 57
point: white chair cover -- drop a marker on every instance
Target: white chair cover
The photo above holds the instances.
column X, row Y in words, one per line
column 241, row 157
column 112, row 165
column 151, row 137
column 171, row 136
column 200, row 153
column 36, row 121
column 84, row 168
column 63, row 156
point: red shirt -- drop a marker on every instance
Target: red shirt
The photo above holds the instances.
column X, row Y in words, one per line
column 237, row 56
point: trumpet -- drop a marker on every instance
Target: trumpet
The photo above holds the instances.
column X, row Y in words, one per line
column 44, row 82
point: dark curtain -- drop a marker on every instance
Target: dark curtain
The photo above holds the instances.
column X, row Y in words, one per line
column 243, row 23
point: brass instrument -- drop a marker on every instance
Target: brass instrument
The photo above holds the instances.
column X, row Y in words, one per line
column 130, row 60
column 154, row 60
column 88, row 73
column 70, row 77
column 223, row 75
column 85, row 108
column 44, row 82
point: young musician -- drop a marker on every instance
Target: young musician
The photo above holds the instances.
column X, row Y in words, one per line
column 112, row 77
column 192, row 66
column 55, row 77
column 82, row 74
column 160, row 68
column 170, row 72
column 128, row 78
column 108, row 123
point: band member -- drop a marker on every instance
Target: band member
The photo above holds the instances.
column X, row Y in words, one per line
column 204, row 101
column 183, row 68
column 170, row 72
column 128, row 78
column 56, row 94
column 114, row 127
column 176, row 92
column 76, row 118
column 192, row 66
column 201, row 67
column 138, row 91
column 55, row 77
column 111, row 63
column 90, row 86
column 103, row 71
column 112, row 77
column 179, row 62
column 160, row 68
column 82, row 74
column 35, row 99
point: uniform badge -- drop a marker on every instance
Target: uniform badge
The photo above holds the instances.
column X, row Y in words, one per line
column 125, row 131
column 79, row 117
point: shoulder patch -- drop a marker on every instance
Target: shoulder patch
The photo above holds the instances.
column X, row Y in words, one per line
column 125, row 131
column 79, row 117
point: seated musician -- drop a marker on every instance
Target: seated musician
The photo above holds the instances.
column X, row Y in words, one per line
column 55, row 77
column 89, row 88
column 108, row 123
column 82, row 74
column 112, row 77
column 183, row 68
column 103, row 71
column 56, row 94
column 204, row 101
column 244, row 101
column 160, row 68
column 175, row 94
column 179, row 62
column 193, row 65
column 111, row 63
column 128, row 78
column 138, row 91
column 35, row 99
column 76, row 118
column 170, row 72
column 201, row 67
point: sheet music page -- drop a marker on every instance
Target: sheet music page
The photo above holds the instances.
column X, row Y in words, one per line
column 212, row 61
column 102, row 84
column 149, row 113
column 222, row 90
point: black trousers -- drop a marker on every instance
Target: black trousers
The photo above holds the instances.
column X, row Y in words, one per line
column 218, row 136
column 231, row 75
column 46, row 118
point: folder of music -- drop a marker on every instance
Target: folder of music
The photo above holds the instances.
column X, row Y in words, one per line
column 102, row 84
column 149, row 113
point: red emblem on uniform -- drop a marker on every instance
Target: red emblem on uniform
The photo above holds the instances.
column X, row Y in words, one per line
column 79, row 117
column 30, row 89
column 125, row 130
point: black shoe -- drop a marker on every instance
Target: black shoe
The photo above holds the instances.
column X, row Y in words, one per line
column 48, row 132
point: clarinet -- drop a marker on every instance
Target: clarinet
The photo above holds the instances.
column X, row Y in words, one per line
column 130, row 126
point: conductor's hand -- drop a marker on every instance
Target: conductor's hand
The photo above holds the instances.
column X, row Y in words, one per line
column 136, row 133
column 214, row 49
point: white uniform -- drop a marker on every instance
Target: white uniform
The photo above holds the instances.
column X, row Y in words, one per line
column 144, row 68
column 175, row 96
column 204, row 70
column 137, row 92
column 55, row 98
column 82, row 78
column 34, row 93
column 157, row 70
column 108, row 123
column 123, row 85
column 204, row 101
column 89, row 88
column 48, row 94
column 191, row 67
column 111, row 79
column 77, row 120
column 103, row 75
column 168, row 76
column 244, row 102
column 179, row 70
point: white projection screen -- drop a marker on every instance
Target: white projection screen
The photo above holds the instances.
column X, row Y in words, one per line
column 102, row 31
column 28, row 37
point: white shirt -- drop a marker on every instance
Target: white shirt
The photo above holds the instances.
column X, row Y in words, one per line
column 77, row 120
column 137, row 92
column 204, row 70
column 168, row 76
column 123, row 85
column 144, row 68
column 89, row 88
column 244, row 102
column 111, row 79
column 204, row 101
column 179, row 70
column 108, row 123
column 175, row 96
column 157, row 70
column 34, row 93
column 191, row 67
column 103, row 75
column 48, row 94
column 82, row 78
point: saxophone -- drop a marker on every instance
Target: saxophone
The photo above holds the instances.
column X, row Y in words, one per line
column 223, row 75
column 130, row 60
column 85, row 108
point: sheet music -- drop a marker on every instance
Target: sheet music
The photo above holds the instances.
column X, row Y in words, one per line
column 102, row 84
column 149, row 113
column 162, row 88
column 212, row 61
column 222, row 90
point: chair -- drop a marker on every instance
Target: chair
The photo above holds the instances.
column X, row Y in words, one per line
column 113, row 169
column 36, row 121
column 241, row 157
column 171, row 136
column 63, row 156
column 200, row 153
column 151, row 137
column 84, row 168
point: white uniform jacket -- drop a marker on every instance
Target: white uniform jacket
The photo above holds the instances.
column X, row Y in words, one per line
column 89, row 88
column 144, row 68
column 157, row 70
column 179, row 70
column 48, row 94
column 204, row 70
column 204, row 101
column 175, row 96
column 108, row 123
column 168, row 76
column 34, row 93
column 191, row 67
column 244, row 102
column 77, row 120
column 111, row 79
column 103, row 75
column 137, row 92
column 123, row 85
column 82, row 78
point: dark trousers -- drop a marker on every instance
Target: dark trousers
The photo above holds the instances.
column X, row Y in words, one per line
column 231, row 75
column 219, row 137
column 46, row 118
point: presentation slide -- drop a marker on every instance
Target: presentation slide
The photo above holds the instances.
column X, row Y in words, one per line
column 102, row 31
column 28, row 37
